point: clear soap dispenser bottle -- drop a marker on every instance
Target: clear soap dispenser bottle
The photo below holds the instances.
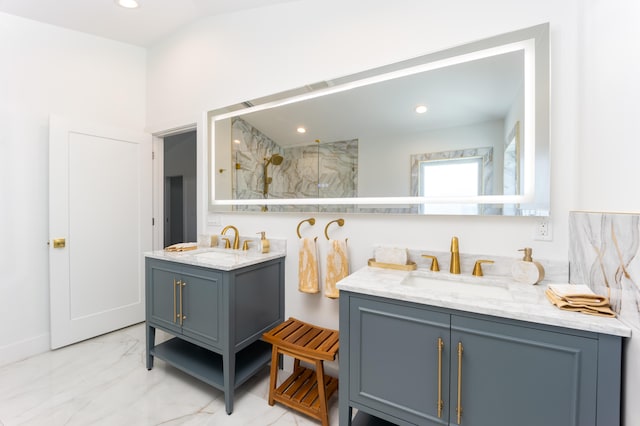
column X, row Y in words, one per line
column 527, row 270
column 264, row 243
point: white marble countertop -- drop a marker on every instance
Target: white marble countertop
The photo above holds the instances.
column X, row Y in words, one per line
column 496, row 296
column 217, row 258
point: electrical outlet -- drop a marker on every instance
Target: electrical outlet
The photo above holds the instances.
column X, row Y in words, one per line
column 542, row 230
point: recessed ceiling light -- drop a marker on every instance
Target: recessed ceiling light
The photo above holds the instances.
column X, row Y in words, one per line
column 129, row 4
column 301, row 130
column 236, row 141
column 421, row 109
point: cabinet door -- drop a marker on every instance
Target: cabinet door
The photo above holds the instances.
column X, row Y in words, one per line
column 162, row 288
column 393, row 360
column 201, row 305
column 515, row 375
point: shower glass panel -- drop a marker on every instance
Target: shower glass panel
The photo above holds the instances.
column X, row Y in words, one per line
column 338, row 169
column 264, row 169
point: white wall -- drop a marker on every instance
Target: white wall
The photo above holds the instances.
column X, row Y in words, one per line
column 48, row 70
column 225, row 60
column 609, row 148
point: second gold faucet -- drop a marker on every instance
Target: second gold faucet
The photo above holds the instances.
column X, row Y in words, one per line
column 454, row 267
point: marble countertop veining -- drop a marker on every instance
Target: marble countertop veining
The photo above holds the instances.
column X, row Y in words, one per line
column 506, row 298
column 217, row 258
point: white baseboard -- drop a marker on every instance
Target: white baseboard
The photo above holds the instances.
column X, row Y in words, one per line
column 26, row 348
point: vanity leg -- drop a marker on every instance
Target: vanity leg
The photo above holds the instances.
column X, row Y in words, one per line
column 228, row 373
column 345, row 414
column 151, row 337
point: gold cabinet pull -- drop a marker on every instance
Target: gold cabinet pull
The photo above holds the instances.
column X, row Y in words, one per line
column 440, row 401
column 175, row 313
column 459, row 408
column 182, row 317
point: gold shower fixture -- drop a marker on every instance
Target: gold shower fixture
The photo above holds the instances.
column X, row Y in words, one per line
column 276, row 160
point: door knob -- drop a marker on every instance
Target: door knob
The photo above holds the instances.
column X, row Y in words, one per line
column 59, row 243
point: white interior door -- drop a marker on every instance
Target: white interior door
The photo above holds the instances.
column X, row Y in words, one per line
column 100, row 206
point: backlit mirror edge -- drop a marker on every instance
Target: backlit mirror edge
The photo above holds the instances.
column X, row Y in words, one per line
column 536, row 195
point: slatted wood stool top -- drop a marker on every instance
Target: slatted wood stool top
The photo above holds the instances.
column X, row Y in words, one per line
column 305, row 390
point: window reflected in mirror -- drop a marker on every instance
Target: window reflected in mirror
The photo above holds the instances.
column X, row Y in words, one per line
column 455, row 177
column 458, row 173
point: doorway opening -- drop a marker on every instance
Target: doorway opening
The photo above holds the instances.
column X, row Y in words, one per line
column 180, row 188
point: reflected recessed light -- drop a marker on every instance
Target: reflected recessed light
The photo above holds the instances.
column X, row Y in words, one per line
column 129, row 4
column 236, row 141
column 301, row 130
column 421, row 109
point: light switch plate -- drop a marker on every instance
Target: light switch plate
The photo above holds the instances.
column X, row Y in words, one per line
column 214, row 220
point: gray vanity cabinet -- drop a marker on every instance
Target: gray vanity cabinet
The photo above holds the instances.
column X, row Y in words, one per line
column 398, row 355
column 515, row 374
column 499, row 371
column 182, row 300
column 216, row 318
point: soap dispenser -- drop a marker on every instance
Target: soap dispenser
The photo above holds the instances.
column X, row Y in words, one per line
column 264, row 243
column 527, row 270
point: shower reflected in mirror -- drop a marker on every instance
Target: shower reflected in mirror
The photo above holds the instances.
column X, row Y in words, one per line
column 276, row 160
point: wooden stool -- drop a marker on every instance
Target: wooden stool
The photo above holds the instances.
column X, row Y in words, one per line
column 304, row 390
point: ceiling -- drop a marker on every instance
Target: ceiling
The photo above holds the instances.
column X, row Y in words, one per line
column 379, row 108
column 152, row 21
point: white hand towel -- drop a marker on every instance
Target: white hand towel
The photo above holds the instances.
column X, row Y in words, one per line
column 308, row 266
column 337, row 267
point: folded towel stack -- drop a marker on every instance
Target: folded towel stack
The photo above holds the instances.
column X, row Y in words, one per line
column 182, row 247
column 579, row 298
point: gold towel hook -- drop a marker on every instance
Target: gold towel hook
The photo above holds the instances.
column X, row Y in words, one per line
column 340, row 222
column 311, row 220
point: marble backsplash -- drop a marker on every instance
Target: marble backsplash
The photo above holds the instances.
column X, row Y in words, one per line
column 554, row 271
column 604, row 254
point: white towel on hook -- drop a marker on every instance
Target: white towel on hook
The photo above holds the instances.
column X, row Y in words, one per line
column 337, row 267
column 308, row 266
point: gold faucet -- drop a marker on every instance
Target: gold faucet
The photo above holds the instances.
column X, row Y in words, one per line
column 454, row 268
column 236, row 238
column 477, row 269
column 435, row 267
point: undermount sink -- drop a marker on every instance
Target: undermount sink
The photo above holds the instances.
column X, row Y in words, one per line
column 224, row 254
column 466, row 288
column 215, row 255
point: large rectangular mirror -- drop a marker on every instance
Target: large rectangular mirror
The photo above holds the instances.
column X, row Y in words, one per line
column 460, row 131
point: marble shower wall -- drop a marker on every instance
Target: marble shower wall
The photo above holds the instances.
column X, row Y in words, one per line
column 604, row 254
column 327, row 170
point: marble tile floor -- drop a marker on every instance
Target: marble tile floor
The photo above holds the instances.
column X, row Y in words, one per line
column 104, row 381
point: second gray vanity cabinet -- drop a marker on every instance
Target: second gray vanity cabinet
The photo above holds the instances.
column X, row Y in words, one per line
column 405, row 361
column 507, row 374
